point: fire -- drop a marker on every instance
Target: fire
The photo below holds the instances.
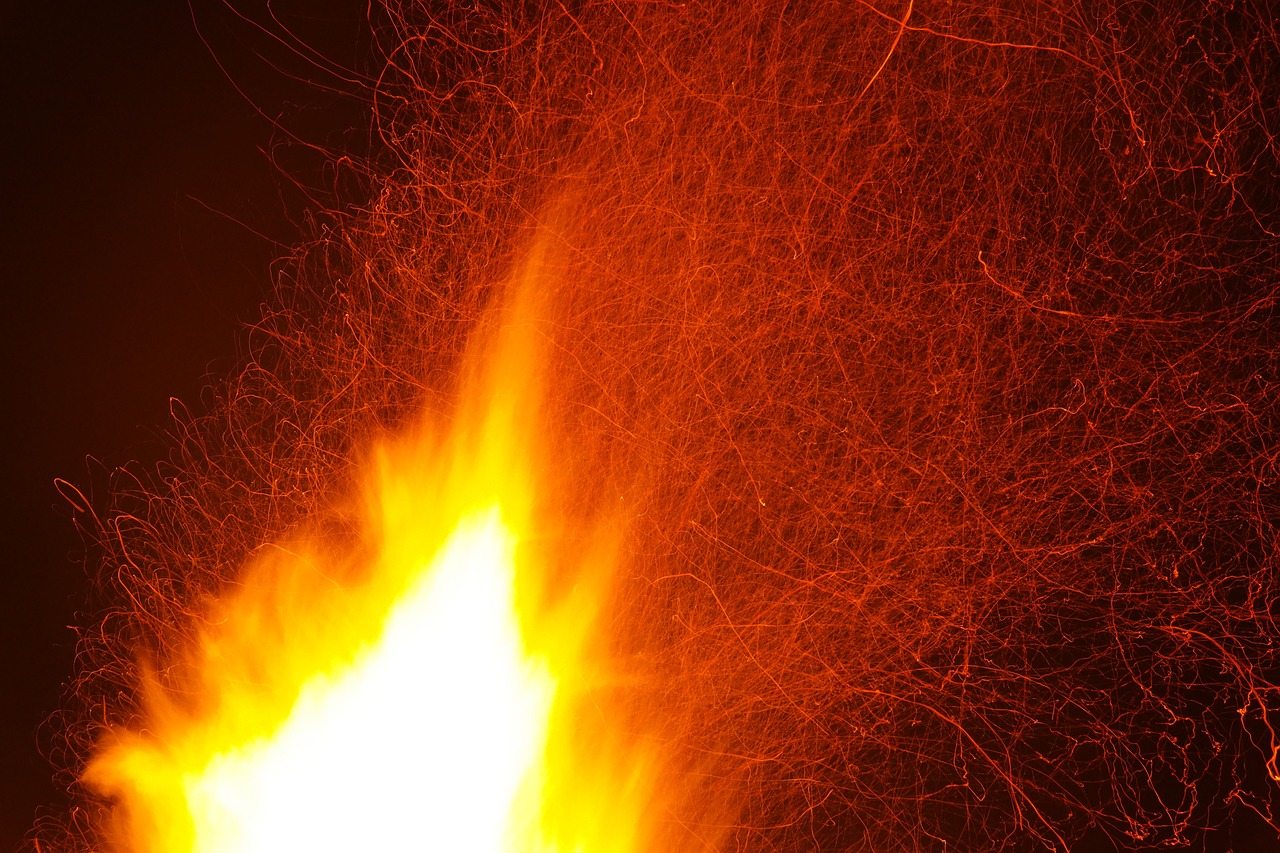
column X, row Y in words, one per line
column 421, row 696
column 879, row 450
column 449, row 749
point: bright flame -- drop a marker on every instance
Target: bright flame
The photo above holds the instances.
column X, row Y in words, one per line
column 426, row 694
column 370, row 758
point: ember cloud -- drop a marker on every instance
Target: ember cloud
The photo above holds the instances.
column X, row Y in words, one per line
column 925, row 352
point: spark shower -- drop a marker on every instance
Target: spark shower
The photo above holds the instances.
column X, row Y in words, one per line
column 860, row 419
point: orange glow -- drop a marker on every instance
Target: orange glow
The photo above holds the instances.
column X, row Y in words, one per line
column 425, row 697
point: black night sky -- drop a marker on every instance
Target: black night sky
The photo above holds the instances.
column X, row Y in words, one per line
column 142, row 213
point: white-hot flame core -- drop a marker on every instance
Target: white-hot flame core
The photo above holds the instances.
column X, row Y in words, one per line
column 429, row 740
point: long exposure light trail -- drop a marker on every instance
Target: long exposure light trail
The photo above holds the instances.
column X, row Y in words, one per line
column 904, row 466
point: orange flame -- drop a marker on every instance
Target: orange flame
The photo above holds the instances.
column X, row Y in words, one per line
column 422, row 698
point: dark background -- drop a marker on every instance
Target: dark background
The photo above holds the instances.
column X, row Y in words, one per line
column 156, row 161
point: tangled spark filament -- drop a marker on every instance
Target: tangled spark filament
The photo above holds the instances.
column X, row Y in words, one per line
column 928, row 353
